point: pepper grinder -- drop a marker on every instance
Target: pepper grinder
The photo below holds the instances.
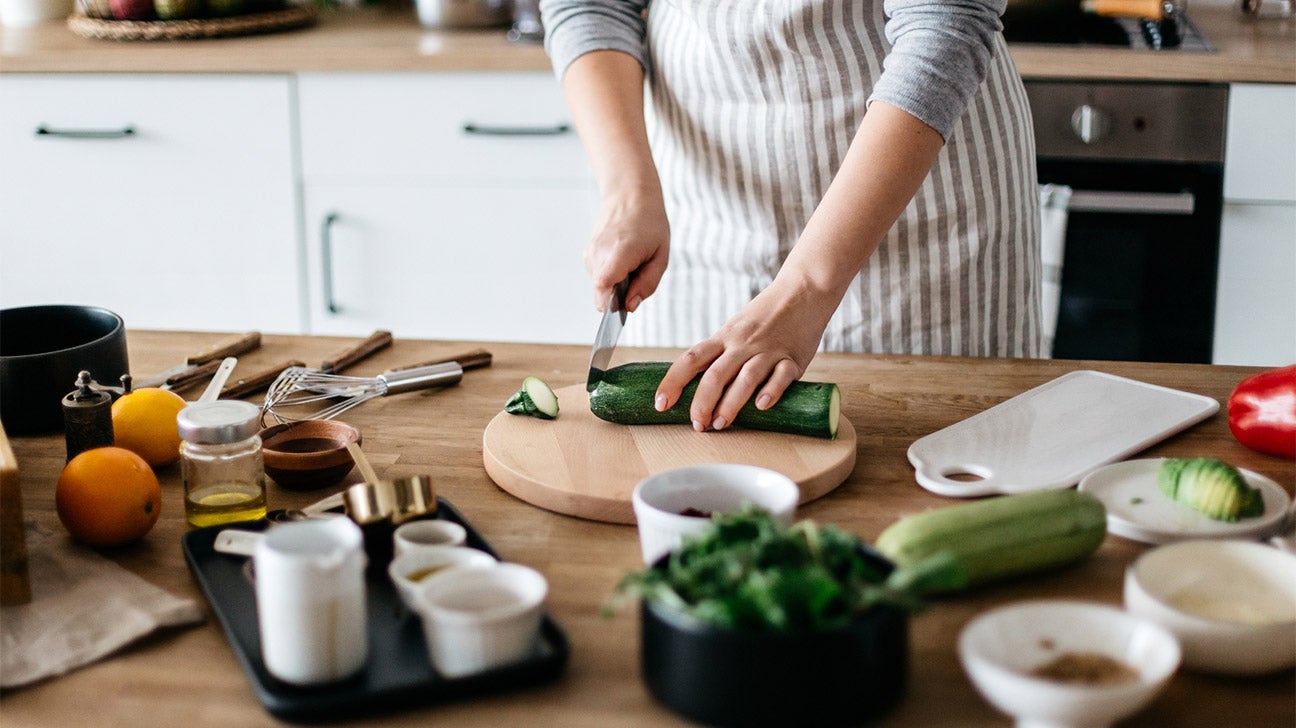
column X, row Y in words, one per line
column 87, row 417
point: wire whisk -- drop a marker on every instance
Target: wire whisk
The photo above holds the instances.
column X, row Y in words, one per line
column 303, row 393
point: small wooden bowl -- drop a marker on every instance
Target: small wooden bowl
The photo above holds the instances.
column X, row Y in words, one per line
column 309, row 454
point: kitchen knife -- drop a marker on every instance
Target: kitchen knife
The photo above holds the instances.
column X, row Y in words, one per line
column 474, row 359
column 614, row 317
column 257, row 382
column 192, row 370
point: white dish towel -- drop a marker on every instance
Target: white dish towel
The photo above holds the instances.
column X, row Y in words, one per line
column 1054, row 200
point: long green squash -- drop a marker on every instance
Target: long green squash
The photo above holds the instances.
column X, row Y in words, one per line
column 1003, row 536
column 626, row 394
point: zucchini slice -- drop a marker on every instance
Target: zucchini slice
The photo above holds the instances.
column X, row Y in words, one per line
column 625, row 396
column 534, row 399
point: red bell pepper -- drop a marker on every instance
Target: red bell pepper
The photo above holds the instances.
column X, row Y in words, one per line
column 1262, row 412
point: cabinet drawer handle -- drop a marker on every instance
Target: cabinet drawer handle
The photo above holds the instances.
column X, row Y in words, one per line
column 125, row 131
column 485, row 130
column 326, row 257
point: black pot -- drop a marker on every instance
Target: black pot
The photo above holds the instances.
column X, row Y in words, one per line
column 725, row 677
column 42, row 348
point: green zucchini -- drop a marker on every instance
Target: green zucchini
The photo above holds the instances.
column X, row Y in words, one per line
column 1004, row 536
column 626, row 394
column 535, row 399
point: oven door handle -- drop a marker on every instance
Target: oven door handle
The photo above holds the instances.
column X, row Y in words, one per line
column 1136, row 203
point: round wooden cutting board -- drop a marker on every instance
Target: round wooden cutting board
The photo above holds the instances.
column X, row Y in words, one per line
column 582, row 466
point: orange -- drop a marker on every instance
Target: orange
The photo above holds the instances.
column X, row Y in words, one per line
column 144, row 422
column 108, row 496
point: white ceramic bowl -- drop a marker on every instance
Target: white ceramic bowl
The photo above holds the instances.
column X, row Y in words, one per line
column 1000, row 648
column 478, row 619
column 412, row 570
column 429, row 532
column 1231, row 604
column 660, row 499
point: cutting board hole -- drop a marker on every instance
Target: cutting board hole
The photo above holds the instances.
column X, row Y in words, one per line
column 963, row 476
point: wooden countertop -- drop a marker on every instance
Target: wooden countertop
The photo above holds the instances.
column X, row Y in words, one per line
column 191, row 675
column 1262, row 51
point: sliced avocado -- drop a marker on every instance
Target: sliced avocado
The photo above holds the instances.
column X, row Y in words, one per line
column 1211, row 487
column 1168, row 476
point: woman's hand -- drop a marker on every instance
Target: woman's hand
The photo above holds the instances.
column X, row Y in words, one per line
column 769, row 343
column 632, row 236
column 760, row 351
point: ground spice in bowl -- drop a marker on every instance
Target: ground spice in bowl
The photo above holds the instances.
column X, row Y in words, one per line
column 1086, row 668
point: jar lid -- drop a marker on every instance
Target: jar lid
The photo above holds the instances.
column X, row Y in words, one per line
column 219, row 422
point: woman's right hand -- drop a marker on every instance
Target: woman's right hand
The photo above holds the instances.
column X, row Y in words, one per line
column 605, row 92
column 631, row 239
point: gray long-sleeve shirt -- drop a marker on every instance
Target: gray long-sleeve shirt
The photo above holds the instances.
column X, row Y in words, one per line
column 940, row 49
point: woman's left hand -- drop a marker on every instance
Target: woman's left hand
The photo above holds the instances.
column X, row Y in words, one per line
column 760, row 351
column 769, row 343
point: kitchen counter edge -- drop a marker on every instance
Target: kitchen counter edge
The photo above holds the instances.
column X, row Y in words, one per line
column 391, row 40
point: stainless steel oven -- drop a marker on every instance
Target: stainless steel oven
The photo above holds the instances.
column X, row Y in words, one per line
column 1145, row 166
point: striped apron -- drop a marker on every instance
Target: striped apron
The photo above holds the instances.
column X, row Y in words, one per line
column 753, row 105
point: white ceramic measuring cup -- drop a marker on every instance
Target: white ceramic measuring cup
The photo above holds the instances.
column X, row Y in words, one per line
column 477, row 619
column 415, row 535
column 311, row 600
column 410, row 570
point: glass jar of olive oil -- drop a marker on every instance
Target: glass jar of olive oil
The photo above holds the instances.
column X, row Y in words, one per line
column 220, row 462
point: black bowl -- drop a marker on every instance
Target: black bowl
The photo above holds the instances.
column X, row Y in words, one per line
column 42, row 348
column 727, row 677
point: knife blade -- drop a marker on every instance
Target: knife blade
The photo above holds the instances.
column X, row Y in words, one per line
column 191, row 370
column 609, row 330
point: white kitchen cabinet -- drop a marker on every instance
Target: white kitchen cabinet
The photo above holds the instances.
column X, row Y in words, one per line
column 1255, row 313
column 167, row 199
column 445, row 205
column 449, row 263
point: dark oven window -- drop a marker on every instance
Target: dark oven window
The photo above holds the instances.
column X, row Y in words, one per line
column 1137, row 285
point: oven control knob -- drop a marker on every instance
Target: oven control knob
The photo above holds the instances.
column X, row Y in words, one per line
column 1090, row 123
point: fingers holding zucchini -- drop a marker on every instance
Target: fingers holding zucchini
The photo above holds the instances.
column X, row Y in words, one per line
column 625, row 396
column 676, row 376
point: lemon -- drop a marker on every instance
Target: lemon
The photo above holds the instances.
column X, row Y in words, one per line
column 144, row 422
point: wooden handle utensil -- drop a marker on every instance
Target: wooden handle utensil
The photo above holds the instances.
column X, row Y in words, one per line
column 241, row 345
column 350, row 356
column 474, row 359
column 191, row 376
column 256, row 382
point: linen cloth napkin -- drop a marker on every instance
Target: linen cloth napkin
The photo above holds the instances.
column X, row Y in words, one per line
column 83, row 607
column 1053, row 226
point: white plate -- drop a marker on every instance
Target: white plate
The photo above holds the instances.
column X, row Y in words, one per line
column 1137, row 509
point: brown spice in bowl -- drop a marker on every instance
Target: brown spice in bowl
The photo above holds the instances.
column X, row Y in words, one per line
column 1086, row 668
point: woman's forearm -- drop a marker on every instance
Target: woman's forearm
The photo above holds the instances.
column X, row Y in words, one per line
column 604, row 92
column 890, row 156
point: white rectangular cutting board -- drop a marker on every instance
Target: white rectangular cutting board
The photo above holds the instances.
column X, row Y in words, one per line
column 1053, row 435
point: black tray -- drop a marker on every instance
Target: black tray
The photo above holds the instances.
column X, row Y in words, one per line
column 398, row 673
